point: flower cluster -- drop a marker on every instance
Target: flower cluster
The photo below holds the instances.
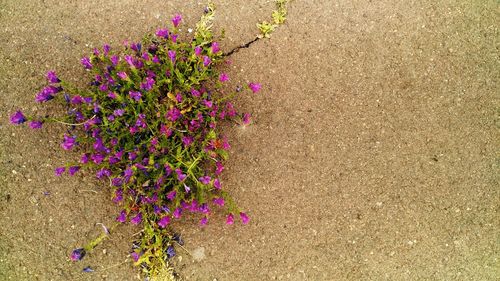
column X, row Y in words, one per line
column 147, row 125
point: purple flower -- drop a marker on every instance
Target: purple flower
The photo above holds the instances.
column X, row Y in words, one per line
column 117, row 181
column 130, row 60
column 219, row 201
column 36, row 124
column 187, row 188
column 135, row 95
column 44, row 95
column 195, row 93
column 215, row 47
column 73, row 169
column 244, row 218
column 205, row 180
column 148, row 84
column 103, row 173
column 52, row 77
column 203, row 221
column 84, row 159
column 118, row 196
column 136, row 47
column 86, row 63
column 204, row 208
column 218, row 168
column 135, row 256
column 176, row 20
column 171, row 195
column 155, row 59
column 106, row 49
column 171, row 55
column 137, row 219
column 168, row 170
column 208, row 103
column 112, row 95
column 197, row 50
column 162, row 33
column 180, row 175
column 77, row 254
column 97, row 158
column 68, row 142
column 88, row 269
column 17, row 118
column 115, row 59
column 230, row 219
column 178, row 97
column 223, row 77
column 177, row 213
column 173, row 114
column 96, row 52
column 123, row 75
column 206, row 61
column 103, row 87
column 217, row 184
column 59, row 170
column 187, row 141
column 77, row 100
column 246, row 118
column 163, row 222
column 118, row 112
column 255, row 87
column 122, row 217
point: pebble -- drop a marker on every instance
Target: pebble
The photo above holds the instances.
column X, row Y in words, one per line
column 199, row 254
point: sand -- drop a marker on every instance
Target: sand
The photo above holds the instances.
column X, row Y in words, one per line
column 373, row 154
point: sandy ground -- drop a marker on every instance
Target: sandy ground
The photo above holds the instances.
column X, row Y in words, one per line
column 373, row 155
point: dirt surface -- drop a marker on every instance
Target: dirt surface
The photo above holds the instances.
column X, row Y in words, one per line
column 373, row 154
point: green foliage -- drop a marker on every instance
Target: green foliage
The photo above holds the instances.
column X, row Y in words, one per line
column 278, row 15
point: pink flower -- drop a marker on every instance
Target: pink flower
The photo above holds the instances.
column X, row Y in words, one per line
column 246, row 119
column 180, row 175
column 230, row 219
column 255, row 87
column 205, row 180
column 197, row 50
column 173, row 114
column 217, row 184
column 195, row 93
column 223, row 77
column 206, row 61
column 219, row 201
column 162, row 33
column 36, row 124
column 219, row 168
column 171, row 55
column 244, row 218
column 187, row 141
column 215, row 47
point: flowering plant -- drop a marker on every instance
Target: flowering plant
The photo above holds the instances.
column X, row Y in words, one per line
column 148, row 125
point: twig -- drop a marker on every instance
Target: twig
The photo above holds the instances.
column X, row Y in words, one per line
column 70, row 124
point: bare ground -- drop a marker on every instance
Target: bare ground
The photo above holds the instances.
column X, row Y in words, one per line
column 373, row 154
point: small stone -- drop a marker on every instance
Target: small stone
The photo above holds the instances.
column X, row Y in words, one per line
column 199, row 254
